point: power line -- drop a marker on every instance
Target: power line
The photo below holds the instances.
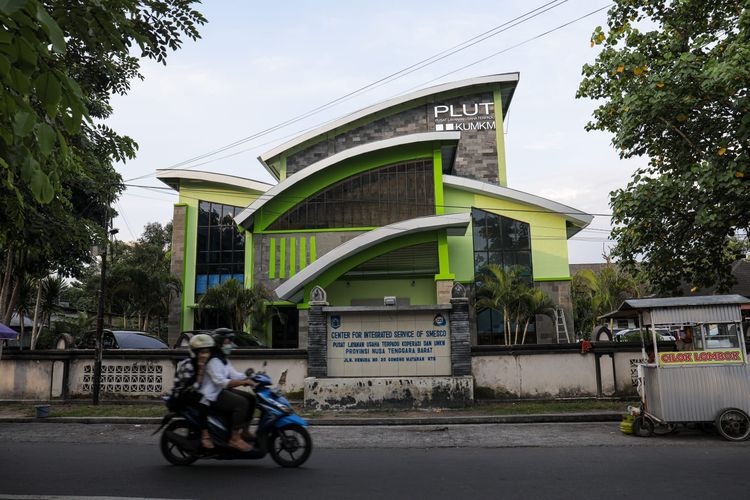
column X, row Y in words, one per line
column 387, row 79
column 512, row 47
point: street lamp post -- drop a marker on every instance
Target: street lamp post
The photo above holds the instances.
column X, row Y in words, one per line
column 100, row 319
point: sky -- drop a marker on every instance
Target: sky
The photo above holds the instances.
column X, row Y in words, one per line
column 259, row 64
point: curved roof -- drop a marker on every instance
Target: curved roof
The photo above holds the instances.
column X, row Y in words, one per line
column 172, row 178
column 396, row 101
column 245, row 217
column 576, row 217
column 369, row 239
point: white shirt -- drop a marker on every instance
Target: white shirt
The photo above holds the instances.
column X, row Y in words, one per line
column 216, row 378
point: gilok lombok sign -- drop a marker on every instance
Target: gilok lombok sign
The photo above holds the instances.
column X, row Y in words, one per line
column 388, row 344
column 712, row 357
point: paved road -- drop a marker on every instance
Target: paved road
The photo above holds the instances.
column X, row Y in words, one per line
column 487, row 461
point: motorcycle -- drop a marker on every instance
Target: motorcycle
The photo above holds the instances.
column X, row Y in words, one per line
column 281, row 432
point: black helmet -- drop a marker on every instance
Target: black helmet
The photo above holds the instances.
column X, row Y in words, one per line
column 222, row 334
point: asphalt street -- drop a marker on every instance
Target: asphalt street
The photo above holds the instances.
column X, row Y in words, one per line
column 478, row 461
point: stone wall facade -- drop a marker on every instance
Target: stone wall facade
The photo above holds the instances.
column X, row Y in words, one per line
column 324, row 243
column 476, row 156
column 176, row 266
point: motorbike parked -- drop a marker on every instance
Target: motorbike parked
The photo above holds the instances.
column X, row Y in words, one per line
column 281, row 432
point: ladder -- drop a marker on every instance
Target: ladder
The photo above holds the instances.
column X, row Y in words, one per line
column 561, row 327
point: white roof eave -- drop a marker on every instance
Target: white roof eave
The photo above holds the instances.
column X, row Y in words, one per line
column 295, row 284
column 334, row 124
column 576, row 217
column 245, row 217
column 172, row 177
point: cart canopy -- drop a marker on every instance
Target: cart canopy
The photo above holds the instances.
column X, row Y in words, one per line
column 682, row 310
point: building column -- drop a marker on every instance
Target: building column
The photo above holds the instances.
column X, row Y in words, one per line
column 174, row 322
column 317, row 341
column 459, row 324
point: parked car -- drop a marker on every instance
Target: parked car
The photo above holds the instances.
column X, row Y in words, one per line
column 634, row 335
column 241, row 339
column 122, row 339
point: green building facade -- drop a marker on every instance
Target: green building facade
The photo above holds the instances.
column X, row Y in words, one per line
column 401, row 199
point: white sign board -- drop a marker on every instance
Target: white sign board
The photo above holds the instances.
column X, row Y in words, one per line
column 471, row 116
column 388, row 344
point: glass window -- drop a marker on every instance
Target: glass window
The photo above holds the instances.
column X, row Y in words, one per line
column 220, row 246
column 720, row 336
column 372, row 198
column 504, row 242
column 480, row 231
column 515, row 234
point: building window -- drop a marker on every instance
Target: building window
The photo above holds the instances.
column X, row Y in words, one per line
column 504, row 242
column 370, row 199
column 220, row 247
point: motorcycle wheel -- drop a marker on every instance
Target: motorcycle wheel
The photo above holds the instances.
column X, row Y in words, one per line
column 290, row 446
column 171, row 449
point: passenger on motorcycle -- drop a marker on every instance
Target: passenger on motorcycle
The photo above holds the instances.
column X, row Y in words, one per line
column 219, row 390
column 189, row 376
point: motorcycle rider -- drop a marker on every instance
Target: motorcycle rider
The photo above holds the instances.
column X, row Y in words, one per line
column 189, row 375
column 219, row 390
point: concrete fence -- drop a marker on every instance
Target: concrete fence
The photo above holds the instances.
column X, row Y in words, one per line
column 557, row 371
column 42, row 375
column 552, row 372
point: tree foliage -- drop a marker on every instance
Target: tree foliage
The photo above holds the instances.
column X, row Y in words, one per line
column 673, row 78
column 139, row 285
column 60, row 63
column 597, row 293
column 237, row 305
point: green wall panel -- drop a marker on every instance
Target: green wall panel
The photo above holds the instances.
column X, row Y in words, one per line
column 422, row 292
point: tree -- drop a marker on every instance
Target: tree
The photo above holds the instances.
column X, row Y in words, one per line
column 504, row 290
column 597, row 293
column 498, row 289
column 60, row 62
column 536, row 302
column 673, row 78
column 139, row 282
column 49, row 292
column 234, row 303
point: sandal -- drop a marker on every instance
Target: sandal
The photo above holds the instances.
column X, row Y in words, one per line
column 207, row 442
column 240, row 445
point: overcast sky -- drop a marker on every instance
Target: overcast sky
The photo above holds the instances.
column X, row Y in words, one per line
column 261, row 63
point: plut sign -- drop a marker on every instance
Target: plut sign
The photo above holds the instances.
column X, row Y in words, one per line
column 466, row 116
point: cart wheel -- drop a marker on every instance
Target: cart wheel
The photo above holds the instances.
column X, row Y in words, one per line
column 643, row 427
column 733, row 424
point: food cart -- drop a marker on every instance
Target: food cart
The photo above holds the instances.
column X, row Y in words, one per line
column 706, row 381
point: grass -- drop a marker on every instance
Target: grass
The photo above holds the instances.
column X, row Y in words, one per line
column 532, row 407
column 158, row 410
column 85, row 410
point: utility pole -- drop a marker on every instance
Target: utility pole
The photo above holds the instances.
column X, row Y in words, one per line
column 100, row 313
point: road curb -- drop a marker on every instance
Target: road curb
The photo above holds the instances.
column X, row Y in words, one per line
column 359, row 421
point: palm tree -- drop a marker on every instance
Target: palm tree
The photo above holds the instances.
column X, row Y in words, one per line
column 536, row 302
column 49, row 291
column 498, row 289
column 602, row 292
column 235, row 303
